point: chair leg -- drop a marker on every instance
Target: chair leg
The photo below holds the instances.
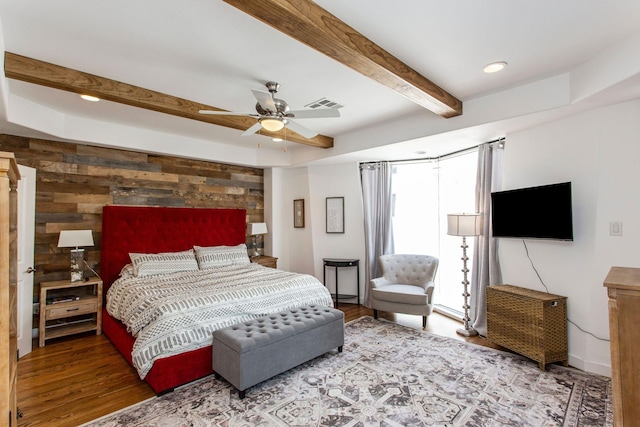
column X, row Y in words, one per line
column 375, row 313
column 424, row 322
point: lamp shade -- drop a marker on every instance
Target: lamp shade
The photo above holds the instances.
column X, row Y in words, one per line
column 254, row 228
column 464, row 224
column 75, row 238
column 272, row 125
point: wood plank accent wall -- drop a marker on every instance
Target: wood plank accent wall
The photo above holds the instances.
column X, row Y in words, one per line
column 74, row 182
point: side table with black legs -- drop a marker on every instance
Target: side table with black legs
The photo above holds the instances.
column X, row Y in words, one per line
column 339, row 263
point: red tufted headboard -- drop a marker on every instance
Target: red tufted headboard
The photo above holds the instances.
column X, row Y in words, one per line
column 142, row 229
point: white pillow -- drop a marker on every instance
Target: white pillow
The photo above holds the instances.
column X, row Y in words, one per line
column 163, row 263
column 127, row 271
column 221, row 256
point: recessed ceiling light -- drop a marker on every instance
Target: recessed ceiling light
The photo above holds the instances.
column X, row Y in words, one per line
column 276, row 139
column 494, row 67
column 90, row 98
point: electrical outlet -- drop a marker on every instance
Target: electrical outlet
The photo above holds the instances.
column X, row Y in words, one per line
column 36, row 309
column 615, row 228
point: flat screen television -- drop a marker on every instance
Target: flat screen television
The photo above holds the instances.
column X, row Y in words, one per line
column 542, row 212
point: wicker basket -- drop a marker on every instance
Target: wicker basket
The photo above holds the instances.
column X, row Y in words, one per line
column 528, row 322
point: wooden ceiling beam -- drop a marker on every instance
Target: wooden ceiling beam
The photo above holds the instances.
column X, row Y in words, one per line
column 58, row 77
column 312, row 25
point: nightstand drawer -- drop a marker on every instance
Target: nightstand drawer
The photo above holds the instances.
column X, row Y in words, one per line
column 75, row 308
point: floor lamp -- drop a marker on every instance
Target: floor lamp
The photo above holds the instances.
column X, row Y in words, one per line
column 465, row 225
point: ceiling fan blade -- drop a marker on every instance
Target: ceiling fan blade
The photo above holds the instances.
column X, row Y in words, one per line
column 253, row 129
column 265, row 99
column 226, row 113
column 299, row 129
column 314, row 114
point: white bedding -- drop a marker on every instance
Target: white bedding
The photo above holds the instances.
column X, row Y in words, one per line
column 174, row 313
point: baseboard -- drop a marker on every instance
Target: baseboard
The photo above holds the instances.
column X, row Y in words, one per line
column 587, row 366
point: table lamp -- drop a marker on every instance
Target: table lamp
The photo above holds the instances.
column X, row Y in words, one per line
column 256, row 230
column 75, row 239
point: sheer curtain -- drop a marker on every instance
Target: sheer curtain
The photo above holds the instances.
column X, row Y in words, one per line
column 376, row 195
column 486, row 268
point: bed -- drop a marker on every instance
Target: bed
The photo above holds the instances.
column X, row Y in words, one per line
column 152, row 230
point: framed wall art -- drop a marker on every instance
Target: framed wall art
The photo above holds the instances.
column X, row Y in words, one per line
column 298, row 213
column 335, row 214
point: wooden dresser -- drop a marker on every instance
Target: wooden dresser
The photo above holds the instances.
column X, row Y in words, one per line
column 9, row 176
column 623, row 286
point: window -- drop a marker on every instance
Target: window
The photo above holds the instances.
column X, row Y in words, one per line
column 424, row 193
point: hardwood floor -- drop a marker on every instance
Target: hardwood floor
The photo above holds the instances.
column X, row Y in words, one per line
column 77, row 379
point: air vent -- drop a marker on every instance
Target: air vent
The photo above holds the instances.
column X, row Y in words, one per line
column 324, row 103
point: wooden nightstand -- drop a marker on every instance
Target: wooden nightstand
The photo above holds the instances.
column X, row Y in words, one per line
column 81, row 313
column 267, row 261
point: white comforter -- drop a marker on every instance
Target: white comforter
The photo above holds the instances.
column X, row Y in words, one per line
column 175, row 313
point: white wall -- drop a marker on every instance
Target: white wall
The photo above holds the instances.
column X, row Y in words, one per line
column 273, row 209
column 306, row 247
column 599, row 152
column 301, row 253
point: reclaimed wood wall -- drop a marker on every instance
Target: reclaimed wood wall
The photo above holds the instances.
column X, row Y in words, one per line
column 74, row 182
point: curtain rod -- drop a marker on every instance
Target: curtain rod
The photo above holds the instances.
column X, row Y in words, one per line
column 444, row 156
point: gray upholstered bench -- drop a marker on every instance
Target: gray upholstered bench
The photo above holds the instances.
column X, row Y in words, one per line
column 251, row 352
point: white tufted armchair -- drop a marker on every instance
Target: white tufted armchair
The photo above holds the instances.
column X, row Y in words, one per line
column 406, row 285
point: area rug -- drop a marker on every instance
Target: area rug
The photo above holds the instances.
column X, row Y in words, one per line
column 391, row 375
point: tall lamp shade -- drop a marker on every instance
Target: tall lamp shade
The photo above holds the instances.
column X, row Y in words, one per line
column 76, row 239
column 465, row 225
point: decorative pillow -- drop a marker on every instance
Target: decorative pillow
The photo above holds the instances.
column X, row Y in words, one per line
column 163, row 263
column 221, row 256
column 127, row 271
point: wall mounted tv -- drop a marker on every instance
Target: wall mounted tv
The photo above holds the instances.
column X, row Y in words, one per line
column 542, row 212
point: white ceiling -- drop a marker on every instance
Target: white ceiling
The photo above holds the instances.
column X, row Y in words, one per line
column 564, row 56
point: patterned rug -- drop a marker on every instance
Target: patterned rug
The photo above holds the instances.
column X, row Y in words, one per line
column 391, row 375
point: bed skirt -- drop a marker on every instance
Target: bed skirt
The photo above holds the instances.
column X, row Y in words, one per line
column 166, row 373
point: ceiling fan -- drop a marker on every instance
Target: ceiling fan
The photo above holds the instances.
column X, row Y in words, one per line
column 273, row 114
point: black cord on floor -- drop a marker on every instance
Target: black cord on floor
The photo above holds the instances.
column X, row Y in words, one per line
column 547, row 289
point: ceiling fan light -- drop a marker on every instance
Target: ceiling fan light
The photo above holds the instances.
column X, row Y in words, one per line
column 272, row 125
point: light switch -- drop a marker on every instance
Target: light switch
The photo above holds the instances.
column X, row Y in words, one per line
column 615, row 228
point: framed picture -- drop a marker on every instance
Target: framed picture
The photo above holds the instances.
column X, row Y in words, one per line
column 298, row 213
column 335, row 214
